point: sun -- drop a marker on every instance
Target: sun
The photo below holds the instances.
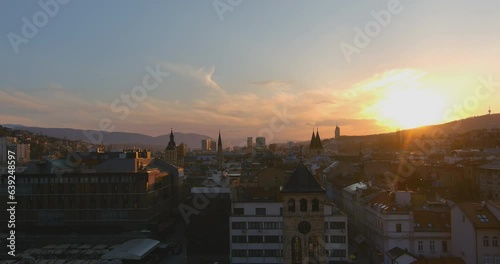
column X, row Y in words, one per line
column 409, row 108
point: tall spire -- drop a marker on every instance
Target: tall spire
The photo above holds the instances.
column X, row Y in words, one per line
column 313, row 140
column 220, row 158
column 219, row 143
column 319, row 145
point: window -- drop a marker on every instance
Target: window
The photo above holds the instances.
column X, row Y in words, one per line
column 486, row 259
column 271, row 225
column 486, row 241
column 239, row 211
column 326, row 240
column 398, row 228
column 272, row 253
column 315, row 205
column 291, row 205
column 312, row 247
column 254, row 225
column 239, row 239
column 239, row 225
column 239, row 253
column 340, row 253
column 494, row 241
column 271, row 239
column 260, row 211
column 432, row 246
column 496, row 259
column 296, row 250
column 255, row 239
column 444, row 246
column 420, row 245
column 255, row 253
column 337, row 225
column 337, row 239
column 303, row 205
column 326, row 225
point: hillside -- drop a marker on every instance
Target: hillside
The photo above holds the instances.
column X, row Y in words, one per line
column 117, row 138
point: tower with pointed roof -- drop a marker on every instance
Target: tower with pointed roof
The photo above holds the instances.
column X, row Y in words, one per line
column 220, row 158
column 315, row 146
column 170, row 150
column 303, row 218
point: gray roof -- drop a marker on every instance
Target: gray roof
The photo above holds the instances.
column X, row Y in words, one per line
column 302, row 181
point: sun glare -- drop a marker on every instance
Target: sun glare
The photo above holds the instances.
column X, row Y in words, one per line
column 410, row 108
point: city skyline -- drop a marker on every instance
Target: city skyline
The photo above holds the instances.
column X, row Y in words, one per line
column 255, row 70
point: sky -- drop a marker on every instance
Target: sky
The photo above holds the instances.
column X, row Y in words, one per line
column 276, row 69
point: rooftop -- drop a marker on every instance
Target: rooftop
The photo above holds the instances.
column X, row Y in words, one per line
column 302, row 181
column 480, row 215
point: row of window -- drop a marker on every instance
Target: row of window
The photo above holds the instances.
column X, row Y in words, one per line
column 432, row 245
column 335, row 239
column 256, row 239
column 95, row 179
column 257, row 253
column 258, row 211
column 335, row 225
column 256, row 225
column 486, row 241
column 491, row 259
column 303, row 205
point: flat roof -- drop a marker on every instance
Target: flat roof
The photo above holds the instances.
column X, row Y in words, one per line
column 134, row 249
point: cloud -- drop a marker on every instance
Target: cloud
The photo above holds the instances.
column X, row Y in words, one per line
column 201, row 74
column 272, row 84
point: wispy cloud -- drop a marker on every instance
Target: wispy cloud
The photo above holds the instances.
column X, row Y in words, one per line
column 201, row 74
column 272, row 84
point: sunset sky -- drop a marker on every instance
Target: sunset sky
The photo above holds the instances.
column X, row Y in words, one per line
column 274, row 68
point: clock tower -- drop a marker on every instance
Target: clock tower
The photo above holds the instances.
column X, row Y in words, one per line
column 303, row 218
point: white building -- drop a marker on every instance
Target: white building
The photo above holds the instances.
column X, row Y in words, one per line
column 475, row 230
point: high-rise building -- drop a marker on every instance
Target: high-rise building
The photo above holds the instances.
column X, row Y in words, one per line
column 260, row 142
column 5, row 143
column 213, row 146
column 249, row 142
column 205, row 144
column 337, row 132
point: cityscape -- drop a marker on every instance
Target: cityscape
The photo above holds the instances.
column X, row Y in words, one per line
column 233, row 131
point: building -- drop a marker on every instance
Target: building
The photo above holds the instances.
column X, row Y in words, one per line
column 475, row 231
column 260, row 143
column 171, row 151
column 295, row 225
column 315, row 146
column 117, row 194
column 205, row 144
column 213, row 146
column 488, row 177
column 307, row 219
column 337, row 132
column 250, row 142
column 22, row 151
column 181, row 154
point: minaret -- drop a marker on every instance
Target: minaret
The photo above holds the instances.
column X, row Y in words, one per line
column 220, row 158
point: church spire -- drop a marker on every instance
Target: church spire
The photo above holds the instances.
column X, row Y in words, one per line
column 220, row 158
